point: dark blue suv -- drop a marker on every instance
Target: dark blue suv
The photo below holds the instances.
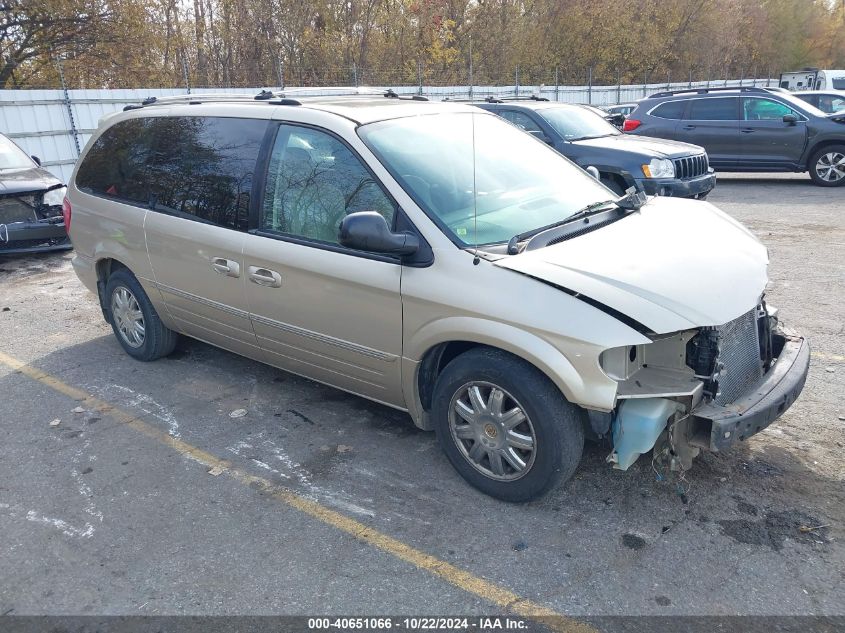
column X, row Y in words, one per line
column 656, row 166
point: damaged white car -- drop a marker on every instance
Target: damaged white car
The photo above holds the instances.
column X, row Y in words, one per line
column 436, row 259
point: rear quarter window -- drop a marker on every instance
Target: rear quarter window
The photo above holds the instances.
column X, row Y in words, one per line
column 198, row 168
column 721, row 109
column 670, row 110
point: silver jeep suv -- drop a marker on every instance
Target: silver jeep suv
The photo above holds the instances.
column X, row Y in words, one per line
column 434, row 258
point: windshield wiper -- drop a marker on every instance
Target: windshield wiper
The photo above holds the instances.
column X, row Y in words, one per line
column 594, row 207
column 588, row 138
column 631, row 201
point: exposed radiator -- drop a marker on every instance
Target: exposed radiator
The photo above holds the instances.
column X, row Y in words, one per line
column 738, row 364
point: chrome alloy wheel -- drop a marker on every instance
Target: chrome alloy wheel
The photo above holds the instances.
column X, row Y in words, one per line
column 830, row 167
column 128, row 317
column 492, row 431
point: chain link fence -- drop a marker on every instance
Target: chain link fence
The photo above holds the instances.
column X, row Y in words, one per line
column 54, row 124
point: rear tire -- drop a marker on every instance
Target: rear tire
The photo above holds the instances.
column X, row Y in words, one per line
column 504, row 426
column 133, row 318
column 827, row 166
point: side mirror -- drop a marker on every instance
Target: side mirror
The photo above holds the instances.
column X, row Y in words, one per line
column 593, row 172
column 368, row 231
column 541, row 136
column 36, row 160
column 790, row 118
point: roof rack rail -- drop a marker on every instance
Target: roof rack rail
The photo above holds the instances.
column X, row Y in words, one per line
column 702, row 91
column 390, row 93
column 495, row 99
column 191, row 99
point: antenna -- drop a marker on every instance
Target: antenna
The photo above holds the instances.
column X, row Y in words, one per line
column 475, row 259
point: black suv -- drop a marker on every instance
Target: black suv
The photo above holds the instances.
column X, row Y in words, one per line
column 31, row 211
column 749, row 129
column 656, row 166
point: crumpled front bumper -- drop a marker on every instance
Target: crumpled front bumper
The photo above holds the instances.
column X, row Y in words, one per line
column 763, row 404
column 33, row 237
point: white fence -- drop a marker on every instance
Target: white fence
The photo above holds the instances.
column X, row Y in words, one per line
column 55, row 125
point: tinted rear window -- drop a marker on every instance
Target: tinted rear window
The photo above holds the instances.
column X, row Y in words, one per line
column 195, row 167
column 670, row 110
column 721, row 109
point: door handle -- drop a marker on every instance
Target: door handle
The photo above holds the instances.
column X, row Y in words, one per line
column 265, row 277
column 689, row 127
column 747, row 130
column 225, row 266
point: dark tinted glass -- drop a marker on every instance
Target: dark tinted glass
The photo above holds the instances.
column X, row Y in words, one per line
column 313, row 182
column 722, row 109
column 115, row 166
column 194, row 167
column 670, row 110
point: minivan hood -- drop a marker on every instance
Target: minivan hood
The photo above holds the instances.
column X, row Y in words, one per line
column 644, row 145
column 673, row 265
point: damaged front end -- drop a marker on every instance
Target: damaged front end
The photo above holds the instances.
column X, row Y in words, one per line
column 32, row 222
column 702, row 389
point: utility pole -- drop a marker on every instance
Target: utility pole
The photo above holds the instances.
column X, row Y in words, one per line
column 73, row 131
column 185, row 73
column 557, row 82
column 470, row 66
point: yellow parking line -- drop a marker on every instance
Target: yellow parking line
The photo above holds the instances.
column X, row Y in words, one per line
column 456, row 576
column 824, row 356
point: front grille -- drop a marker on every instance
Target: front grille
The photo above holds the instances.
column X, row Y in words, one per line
column 17, row 209
column 690, row 166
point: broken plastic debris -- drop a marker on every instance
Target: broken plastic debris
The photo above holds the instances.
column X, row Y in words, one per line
column 238, row 413
column 830, row 369
column 806, row 529
column 55, row 422
column 79, row 410
column 217, row 470
column 343, row 448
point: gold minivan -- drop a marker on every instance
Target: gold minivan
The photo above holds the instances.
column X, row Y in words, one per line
column 436, row 259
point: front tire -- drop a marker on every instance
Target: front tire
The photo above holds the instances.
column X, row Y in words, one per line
column 827, row 166
column 504, row 426
column 134, row 320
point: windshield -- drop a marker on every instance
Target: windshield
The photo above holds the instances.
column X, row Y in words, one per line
column 574, row 123
column 12, row 156
column 485, row 192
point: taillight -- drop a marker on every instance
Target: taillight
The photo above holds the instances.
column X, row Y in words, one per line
column 630, row 125
column 66, row 213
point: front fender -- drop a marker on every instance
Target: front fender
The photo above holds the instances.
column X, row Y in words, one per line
column 585, row 385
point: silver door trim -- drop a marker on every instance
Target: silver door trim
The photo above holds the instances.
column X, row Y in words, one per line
column 323, row 338
column 207, row 302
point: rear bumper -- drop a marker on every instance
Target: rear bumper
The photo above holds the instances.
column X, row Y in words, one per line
column 33, row 237
column 677, row 188
column 762, row 405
